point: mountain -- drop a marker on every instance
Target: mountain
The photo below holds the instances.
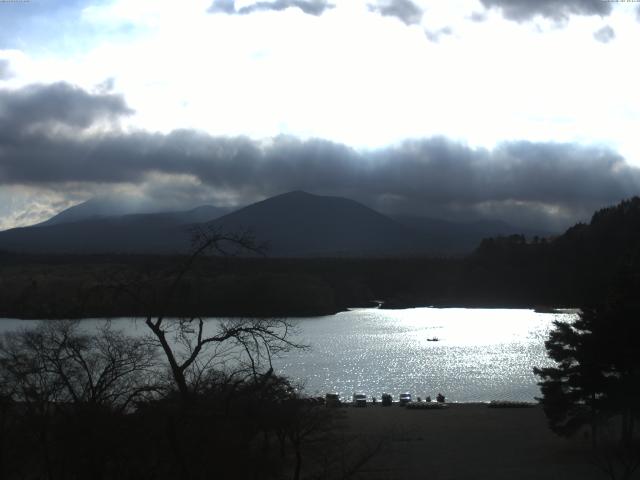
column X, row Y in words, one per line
column 95, row 208
column 294, row 224
column 103, row 207
column 301, row 224
column 158, row 233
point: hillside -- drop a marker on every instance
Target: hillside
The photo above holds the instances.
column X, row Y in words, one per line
column 294, row 224
column 153, row 233
column 300, row 224
column 583, row 264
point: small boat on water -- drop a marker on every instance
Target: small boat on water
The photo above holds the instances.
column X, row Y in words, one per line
column 433, row 339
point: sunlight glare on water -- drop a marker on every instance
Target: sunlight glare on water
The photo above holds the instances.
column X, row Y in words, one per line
column 480, row 355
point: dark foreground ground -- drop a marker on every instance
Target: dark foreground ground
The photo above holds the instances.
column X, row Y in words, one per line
column 469, row 441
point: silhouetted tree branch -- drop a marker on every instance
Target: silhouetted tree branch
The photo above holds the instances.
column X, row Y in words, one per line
column 252, row 342
column 57, row 362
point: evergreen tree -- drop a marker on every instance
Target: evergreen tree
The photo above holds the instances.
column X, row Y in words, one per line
column 596, row 381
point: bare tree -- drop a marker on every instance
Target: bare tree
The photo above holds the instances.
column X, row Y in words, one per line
column 58, row 363
column 190, row 348
column 65, row 390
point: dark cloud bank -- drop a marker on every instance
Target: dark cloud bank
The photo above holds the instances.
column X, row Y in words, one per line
column 558, row 10
column 546, row 185
column 58, row 104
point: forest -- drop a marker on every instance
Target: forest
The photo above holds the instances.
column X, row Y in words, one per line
column 513, row 271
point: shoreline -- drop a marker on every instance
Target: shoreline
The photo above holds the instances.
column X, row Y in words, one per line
column 499, row 404
column 546, row 310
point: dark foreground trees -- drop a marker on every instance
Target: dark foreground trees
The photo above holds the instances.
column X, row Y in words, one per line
column 190, row 399
column 77, row 403
column 64, row 395
column 59, row 362
column 596, row 382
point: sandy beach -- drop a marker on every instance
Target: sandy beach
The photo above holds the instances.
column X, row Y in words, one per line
column 467, row 441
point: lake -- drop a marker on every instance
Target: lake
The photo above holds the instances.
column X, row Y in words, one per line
column 480, row 355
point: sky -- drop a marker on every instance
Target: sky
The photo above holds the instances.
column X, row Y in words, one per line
column 525, row 111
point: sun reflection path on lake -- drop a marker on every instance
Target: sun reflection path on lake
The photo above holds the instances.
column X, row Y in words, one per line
column 480, row 355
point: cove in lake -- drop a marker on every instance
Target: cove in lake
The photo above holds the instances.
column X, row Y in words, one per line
column 480, row 355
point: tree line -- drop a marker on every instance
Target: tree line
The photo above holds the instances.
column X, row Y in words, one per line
column 512, row 271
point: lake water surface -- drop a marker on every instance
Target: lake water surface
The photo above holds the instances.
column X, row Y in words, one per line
column 481, row 355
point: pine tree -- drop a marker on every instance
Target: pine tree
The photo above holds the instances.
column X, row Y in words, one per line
column 596, row 380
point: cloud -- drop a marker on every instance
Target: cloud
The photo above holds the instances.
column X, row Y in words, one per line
column 405, row 10
column 223, row 6
column 310, row 7
column 38, row 107
column 549, row 183
column 557, row 10
column 5, row 71
column 434, row 35
column 605, row 34
column 106, row 85
column 478, row 17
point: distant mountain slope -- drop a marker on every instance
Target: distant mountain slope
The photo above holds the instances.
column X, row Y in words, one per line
column 302, row 224
column 292, row 224
column 167, row 232
column 96, row 208
column 295, row 224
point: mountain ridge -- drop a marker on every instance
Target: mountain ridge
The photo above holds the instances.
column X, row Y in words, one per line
column 302, row 224
column 294, row 224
